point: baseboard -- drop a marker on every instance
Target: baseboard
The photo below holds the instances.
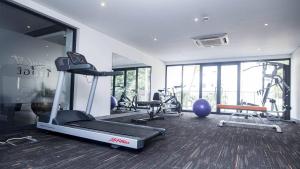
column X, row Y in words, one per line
column 296, row 120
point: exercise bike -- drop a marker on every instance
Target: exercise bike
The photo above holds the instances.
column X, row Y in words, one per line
column 161, row 103
column 170, row 103
column 125, row 103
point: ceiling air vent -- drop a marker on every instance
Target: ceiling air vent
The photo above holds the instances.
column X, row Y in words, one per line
column 211, row 40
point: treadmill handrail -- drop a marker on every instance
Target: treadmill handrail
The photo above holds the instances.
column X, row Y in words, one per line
column 91, row 72
column 80, row 67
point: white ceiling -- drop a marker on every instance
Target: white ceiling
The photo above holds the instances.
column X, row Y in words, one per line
column 137, row 22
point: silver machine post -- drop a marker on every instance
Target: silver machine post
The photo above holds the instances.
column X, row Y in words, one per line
column 59, row 87
column 91, row 95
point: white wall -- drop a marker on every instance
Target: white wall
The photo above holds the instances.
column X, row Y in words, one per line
column 98, row 48
column 295, row 85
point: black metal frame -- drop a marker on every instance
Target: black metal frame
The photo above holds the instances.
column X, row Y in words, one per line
column 136, row 77
column 72, row 88
column 219, row 64
column 72, row 81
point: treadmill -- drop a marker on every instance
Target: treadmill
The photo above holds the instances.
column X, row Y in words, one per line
column 83, row 124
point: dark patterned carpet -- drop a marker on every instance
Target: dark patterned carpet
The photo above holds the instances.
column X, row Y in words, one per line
column 190, row 142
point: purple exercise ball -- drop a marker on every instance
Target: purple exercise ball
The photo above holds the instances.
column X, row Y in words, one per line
column 113, row 102
column 201, row 108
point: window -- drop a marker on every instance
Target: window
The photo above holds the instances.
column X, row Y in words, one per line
column 210, row 85
column 232, row 83
column 191, row 75
column 174, row 80
column 131, row 83
column 136, row 81
column 144, row 85
column 264, row 82
column 229, row 82
column 251, row 82
column 119, row 85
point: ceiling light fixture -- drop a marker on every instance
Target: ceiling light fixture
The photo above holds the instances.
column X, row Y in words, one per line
column 103, row 4
column 155, row 39
column 28, row 26
column 196, row 19
column 266, row 24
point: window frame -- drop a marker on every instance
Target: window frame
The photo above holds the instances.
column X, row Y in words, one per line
column 136, row 77
column 287, row 77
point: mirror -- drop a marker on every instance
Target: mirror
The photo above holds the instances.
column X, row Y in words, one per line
column 133, row 85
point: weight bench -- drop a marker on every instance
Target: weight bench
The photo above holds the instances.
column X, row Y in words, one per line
column 154, row 110
column 240, row 110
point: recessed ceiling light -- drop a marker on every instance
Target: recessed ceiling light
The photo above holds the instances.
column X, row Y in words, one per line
column 46, row 46
column 196, row 19
column 155, row 39
column 103, row 4
column 266, row 24
column 28, row 26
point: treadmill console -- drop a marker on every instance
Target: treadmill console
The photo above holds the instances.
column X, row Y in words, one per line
column 77, row 64
column 76, row 58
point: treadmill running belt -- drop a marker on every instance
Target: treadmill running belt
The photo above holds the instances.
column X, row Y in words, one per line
column 122, row 129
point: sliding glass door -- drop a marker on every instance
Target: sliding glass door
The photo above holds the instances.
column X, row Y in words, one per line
column 174, row 78
column 190, row 80
column 229, row 84
column 219, row 84
column 209, row 85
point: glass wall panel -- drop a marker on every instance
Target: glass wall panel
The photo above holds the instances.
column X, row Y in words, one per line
column 191, row 81
column 119, row 85
column 137, row 81
column 131, row 83
column 144, row 86
column 29, row 46
column 174, row 78
column 251, row 82
column 263, row 82
column 276, row 87
column 229, row 81
column 209, row 85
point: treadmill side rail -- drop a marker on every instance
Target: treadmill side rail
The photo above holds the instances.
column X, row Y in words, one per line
column 111, row 138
